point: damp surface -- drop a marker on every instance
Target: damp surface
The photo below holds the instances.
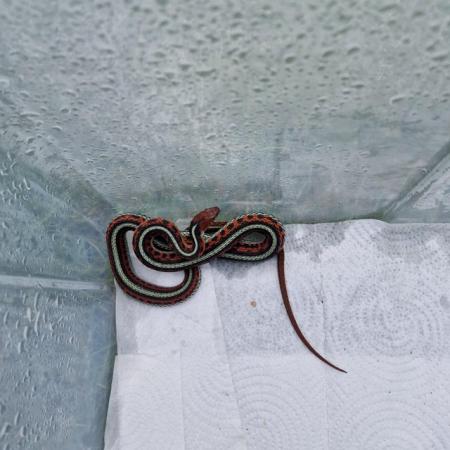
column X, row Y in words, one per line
column 311, row 111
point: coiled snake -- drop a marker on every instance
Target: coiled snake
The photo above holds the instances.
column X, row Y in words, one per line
column 160, row 245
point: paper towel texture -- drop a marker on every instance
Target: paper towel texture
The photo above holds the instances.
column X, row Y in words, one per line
column 225, row 370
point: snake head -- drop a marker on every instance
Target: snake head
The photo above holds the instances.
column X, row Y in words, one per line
column 204, row 218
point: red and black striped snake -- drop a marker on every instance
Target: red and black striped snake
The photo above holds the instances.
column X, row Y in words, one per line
column 159, row 244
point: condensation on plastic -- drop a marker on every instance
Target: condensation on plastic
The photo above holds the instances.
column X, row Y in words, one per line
column 312, row 111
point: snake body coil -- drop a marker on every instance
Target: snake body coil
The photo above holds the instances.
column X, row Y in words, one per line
column 160, row 245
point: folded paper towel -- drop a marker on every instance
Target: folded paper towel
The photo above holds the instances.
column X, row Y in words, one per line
column 225, row 370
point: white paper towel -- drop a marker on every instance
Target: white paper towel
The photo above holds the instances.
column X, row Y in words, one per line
column 225, row 370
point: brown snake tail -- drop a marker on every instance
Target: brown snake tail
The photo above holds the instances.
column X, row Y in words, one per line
column 159, row 244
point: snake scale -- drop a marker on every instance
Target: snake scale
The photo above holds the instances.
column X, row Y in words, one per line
column 159, row 244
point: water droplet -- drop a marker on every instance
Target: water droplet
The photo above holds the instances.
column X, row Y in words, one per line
column 205, row 71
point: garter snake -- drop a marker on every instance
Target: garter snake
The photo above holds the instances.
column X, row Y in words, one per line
column 159, row 244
